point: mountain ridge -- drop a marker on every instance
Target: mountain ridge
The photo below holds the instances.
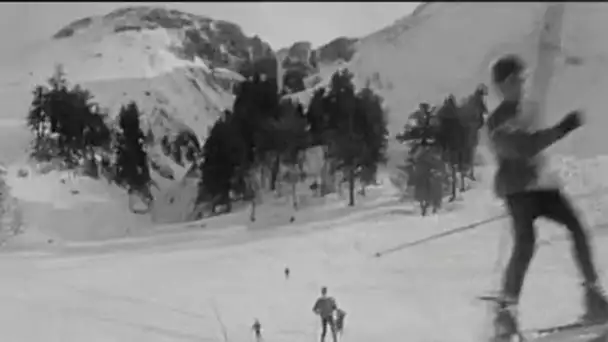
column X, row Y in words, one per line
column 438, row 50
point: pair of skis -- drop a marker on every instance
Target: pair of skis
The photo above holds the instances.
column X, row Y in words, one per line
column 570, row 332
column 576, row 331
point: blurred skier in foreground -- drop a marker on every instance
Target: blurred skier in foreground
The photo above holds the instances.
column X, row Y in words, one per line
column 530, row 192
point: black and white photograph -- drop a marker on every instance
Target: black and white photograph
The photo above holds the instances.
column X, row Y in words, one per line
column 303, row 172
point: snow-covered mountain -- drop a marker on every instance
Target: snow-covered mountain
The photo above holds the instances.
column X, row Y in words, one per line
column 180, row 67
column 211, row 284
column 444, row 48
column 301, row 59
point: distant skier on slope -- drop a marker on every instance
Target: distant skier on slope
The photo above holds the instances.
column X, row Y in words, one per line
column 325, row 307
column 257, row 330
column 340, row 316
column 530, row 193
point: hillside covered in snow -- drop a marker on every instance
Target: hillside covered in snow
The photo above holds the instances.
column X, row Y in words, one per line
column 86, row 269
column 181, row 68
column 443, row 49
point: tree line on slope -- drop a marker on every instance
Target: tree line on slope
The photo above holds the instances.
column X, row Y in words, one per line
column 263, row 131
column 69, row 127
column 267, row 131
column 442, row 141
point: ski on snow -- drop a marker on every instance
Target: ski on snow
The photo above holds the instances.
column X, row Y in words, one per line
column 570, row 332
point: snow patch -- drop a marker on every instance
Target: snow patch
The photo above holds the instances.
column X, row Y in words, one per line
column 57, row 188
column 585, row 180
column 11, row 123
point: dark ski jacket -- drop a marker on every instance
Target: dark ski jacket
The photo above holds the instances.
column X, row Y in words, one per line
column 518, row 150
column 325, row 306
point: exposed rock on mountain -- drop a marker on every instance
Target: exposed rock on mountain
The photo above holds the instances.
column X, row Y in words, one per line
column 301, row 61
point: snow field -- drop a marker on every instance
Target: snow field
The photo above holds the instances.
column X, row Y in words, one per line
column 172, row 294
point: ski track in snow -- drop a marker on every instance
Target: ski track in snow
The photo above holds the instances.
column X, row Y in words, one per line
column 169, row 294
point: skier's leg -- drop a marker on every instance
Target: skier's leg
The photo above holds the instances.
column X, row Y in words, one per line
column 559, row 209
column 523, row 209
column 323, row 328
column 332, row 326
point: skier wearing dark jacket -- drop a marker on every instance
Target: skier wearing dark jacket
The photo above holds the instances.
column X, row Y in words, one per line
column 325, row 307
column 530, row 192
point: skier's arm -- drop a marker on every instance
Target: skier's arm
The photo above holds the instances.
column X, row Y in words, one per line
column 315, row 308
column 511, row 140
column 513, row 143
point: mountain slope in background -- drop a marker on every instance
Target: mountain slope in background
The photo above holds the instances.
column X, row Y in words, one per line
column 301, row 59
column 182, row 80
column 444, row 48
column 178, row 67
column 233, row 276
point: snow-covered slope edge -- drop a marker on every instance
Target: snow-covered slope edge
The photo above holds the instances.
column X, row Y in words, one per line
column 445, row 48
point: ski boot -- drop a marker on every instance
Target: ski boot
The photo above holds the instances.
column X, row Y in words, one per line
column 596, row 305
column 506, row 328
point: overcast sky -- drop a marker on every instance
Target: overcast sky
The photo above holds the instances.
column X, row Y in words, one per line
column 279, row 23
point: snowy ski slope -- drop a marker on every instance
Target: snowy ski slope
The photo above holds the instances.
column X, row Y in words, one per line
column 210, row 284
column 190, row 291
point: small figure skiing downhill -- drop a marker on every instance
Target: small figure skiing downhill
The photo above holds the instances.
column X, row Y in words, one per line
column 325, row 307
column 531, row 192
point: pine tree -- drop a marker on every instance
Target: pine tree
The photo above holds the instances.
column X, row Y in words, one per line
column 66, row 121
column 223, row 155
column 452, row 137
column 132, row 169
column 424, row 164
column 318, row 117
column 357, row 128
column 257, row 135
column 37, row 121
column 292, row 138
column 375, row 136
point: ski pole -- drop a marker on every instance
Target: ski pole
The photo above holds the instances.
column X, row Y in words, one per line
column 467, row 227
